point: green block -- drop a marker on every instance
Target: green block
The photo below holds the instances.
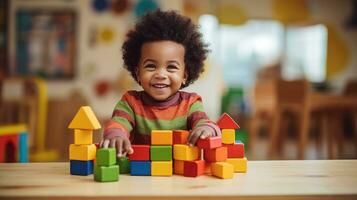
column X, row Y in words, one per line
column 106, row 157
column 106, row 173
column 124, row 165
column 161, row 153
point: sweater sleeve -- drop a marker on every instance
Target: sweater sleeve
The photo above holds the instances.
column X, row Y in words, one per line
column 122, row 121
column 197, row 117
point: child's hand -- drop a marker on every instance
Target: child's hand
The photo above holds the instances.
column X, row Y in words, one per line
column 122, row 145
column 201, row 132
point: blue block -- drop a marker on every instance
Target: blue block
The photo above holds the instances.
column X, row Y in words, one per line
column 238, row 142
column 23, row 148
column 140, row 168
column 82, row 168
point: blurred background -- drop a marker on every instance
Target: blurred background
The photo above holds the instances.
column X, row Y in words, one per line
column 285, row 70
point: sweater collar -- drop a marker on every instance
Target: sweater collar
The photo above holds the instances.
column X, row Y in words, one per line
column 148, row 100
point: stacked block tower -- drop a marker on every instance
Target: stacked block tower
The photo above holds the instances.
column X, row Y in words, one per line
column 83, row 151
column 106, row 169
column 14, row 143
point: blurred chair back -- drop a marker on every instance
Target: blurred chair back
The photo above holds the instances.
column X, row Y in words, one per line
column 351, row 88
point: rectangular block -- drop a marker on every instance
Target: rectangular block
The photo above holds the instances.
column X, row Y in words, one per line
column 228, row 136
column 82, row 152
column 81, row 168
column 124, row 165
column 180, row 136
column 194, row 168
column 160, row 153
column 235, row 150
column 178, row 167
column 83, row 136
column 140, row 168
column 222, row 170
column 106, row 157
column 106, row 173
column 161, row 137
column 185, row 152
column 141, row 152
column 209, row 143
column 161, row 168
column 9, row 146
column 218, row 154
column 23, row 148
column 240, row 164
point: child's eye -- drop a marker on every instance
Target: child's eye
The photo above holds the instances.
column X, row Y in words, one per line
column 171, row 68
column 149, row 67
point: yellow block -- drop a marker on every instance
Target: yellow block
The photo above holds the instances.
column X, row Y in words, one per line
column 85, row 119
column 161, row 137
column 240, row 164
column 178, row 167
column 222, row 170
column 82, row 136
column 228, row 136
column 12, row 129
column 161, row 168
column 185, row 152
column 82, row 152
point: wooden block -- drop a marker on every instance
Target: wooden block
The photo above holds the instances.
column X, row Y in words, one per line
column 194, row 168
column 240, row 164
column 226, row 122
column 209, row 143
column 180, row 136
column 81, row 168
column 141, row 152
column 12, row 129
column 178, row 167
column 106, row 157
column 82, row 136
column 124, row 165
column 161, row 137
column 9, row 147
column 85, row 119
column 235, row 150
column 106, row 173
column 218, row 154
column 185, row 152
column 160, row 153
column 82, row 152
column 228, row 136
column 161, row 168
column 140, row 168
column 23, row 148
column 222, row 170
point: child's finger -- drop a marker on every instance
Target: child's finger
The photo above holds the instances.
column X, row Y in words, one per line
column 112, row 143
column 106, row 143
column 119, row 148
column 101, row 144
column 127, row 147
column 205, row 134
column 195, row 137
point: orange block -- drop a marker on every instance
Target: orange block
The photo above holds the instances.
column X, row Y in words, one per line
column 161, row 137
column 216, row 155
column 178, row 167
column 180, row 136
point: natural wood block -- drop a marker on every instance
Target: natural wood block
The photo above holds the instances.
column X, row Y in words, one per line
column 218, row 154
column 178, row 167
column 124, row 165
column 83, row 136
column 222, row 170
column 240, row 164
column 185, row 152
column 226, row 122
column 106, row 173
column 82, row 152
column 194, row 168
column 161, row 137
column 209, row 143
column 228, row 136
column 85, row 119
column 180, row 136
column 106, row 157
column 141, row 152
column 161, row 168
column 235, row 150
column 160, row 153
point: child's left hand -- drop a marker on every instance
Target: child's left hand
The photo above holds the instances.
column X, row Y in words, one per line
column 201, row 132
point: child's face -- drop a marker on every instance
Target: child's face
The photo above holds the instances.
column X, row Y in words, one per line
column 161, row 70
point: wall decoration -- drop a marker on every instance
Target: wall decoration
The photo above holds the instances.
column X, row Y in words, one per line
column 45, row 42
column 100, row 5
column 106, row 35
column 144, row 6
column 119, row 7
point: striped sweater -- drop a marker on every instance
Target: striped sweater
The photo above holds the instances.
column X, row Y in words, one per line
column 136, row 114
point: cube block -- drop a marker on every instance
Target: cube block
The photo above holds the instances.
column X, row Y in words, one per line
column 228, row 136
column 180, row 136
column 240, row 164
column 209, row 143
column 83, row 136
column 106, row 173
column 124, row 165
column 82, row 152
column 179, row 167
column 141, row 152
column 222, row 170
column 194, row 168
column 160, row 153
column 215, row 155
column 161, row 137
column 161, row 168
column 140, row 168
column 235, row 150
column 106, row 156
column 82, row 168
column 185, row 152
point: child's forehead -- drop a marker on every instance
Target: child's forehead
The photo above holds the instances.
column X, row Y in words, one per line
column 162, row 49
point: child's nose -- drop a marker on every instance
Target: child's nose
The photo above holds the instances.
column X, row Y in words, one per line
column 160, row 73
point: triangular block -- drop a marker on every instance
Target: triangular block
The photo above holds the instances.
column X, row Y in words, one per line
column 226, row 122
column 85, row 119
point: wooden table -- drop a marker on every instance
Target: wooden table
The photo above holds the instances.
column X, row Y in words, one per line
column 331, row 179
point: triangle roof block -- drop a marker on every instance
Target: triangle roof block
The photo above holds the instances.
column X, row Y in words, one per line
column 226, row 122
column 85, row 119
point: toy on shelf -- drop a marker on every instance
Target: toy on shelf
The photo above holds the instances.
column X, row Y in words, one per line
column 14, row 143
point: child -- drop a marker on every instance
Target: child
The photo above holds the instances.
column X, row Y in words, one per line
column 164, row 53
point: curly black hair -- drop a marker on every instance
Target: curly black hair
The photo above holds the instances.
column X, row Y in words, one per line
column 160, row 25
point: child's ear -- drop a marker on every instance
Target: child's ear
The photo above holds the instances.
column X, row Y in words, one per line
column 137, row 74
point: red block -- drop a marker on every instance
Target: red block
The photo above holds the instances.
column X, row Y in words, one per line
column 194, row 168
column 209, row 143
column 180, row 136
column 141, row 152
column 226, row 122
column 235, row 150
column 9, row 148
column 216, row 155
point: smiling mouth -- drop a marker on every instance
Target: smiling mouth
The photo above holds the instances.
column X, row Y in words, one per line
column 159, row 86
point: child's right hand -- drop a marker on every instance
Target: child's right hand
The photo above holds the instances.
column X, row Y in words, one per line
column 122, row 145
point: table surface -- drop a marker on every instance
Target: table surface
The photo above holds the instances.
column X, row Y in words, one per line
column 309, row 179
